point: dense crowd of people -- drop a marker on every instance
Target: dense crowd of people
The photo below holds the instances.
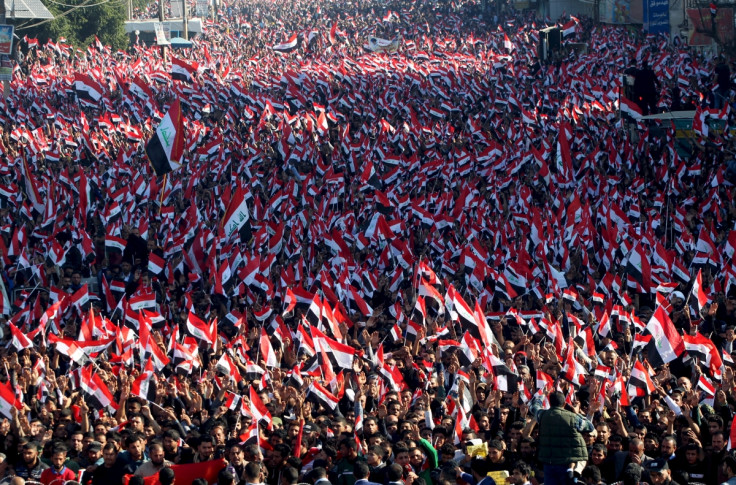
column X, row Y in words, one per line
column 460, row 263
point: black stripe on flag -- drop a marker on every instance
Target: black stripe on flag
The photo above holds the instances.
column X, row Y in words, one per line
column 157, row 156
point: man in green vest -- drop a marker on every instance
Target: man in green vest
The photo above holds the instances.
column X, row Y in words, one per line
column 561, row 444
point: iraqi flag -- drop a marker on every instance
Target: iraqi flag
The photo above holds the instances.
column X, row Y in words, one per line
column 156, row 264
column 32, row 191
column 199, row 329
column 631, row 109
column 703, row 348
column 253, row 372
column 87, row 88
column 322, row 395
column 640, row 382
column 666, row 344
column 145, row 385
column 639, row 267
column 698, row 292
column 20, row 341
column 99, row 394
column 80, row 297
column 364, row 308
column 708, row 388
column 114, row 243
column 228, row 367
column 257, row 408
column 182, row 71
column 231, row 401
column 237, row 214
column 250, row 437
column 267, row 353
column 287, row 46
column 142, row 300
column 8, row 400
column 569, row 28
column 166, row 147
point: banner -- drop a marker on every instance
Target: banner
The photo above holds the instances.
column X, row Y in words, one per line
column 186, row 474
column 705, row 25
column 381, row 45
column 6, row 39
column 657, row 16
column 615, row 11
column 158, row 27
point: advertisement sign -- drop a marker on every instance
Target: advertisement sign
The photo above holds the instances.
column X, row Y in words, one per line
column 657, row 16
column 6, row 39
column 705, row 25
column 615, row 11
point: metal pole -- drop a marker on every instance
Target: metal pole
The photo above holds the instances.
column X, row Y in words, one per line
column 4, row 20
column 161, row 18
column 184, row 22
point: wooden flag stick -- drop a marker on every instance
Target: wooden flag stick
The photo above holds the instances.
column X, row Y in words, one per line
column 163, row 190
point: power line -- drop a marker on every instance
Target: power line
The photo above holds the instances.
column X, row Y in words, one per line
column 85, row 6
column 64, row 14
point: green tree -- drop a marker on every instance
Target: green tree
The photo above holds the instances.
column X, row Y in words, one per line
column 80, row 24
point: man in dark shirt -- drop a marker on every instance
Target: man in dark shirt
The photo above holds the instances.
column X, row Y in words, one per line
column 723, row 78
column 32, row 467
column 110, row 473
column 135, row 454
column 646, row 89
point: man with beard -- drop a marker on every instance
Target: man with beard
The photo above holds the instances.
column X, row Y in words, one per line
column 32, row 467
column 344, row 467
column 135, row 454
column 659, row 472
column 155, row 464
column 278, row 459
column 715, row 456
column 205, row 451
column 172, row 450
column 58, row 472
column 236, row 460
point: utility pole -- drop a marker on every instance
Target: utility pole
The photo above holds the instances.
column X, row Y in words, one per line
column 4, row 20
column 161, row 18
column 184, row 21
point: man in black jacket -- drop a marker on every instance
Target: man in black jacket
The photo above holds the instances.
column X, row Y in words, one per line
column 659, row 472
column 646, row 89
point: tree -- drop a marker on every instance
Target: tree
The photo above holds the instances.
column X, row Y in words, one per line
column 80, row 24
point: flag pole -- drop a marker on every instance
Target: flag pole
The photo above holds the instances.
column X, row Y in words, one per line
column 163, row 190
column 667, row 215
column 157, row 405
